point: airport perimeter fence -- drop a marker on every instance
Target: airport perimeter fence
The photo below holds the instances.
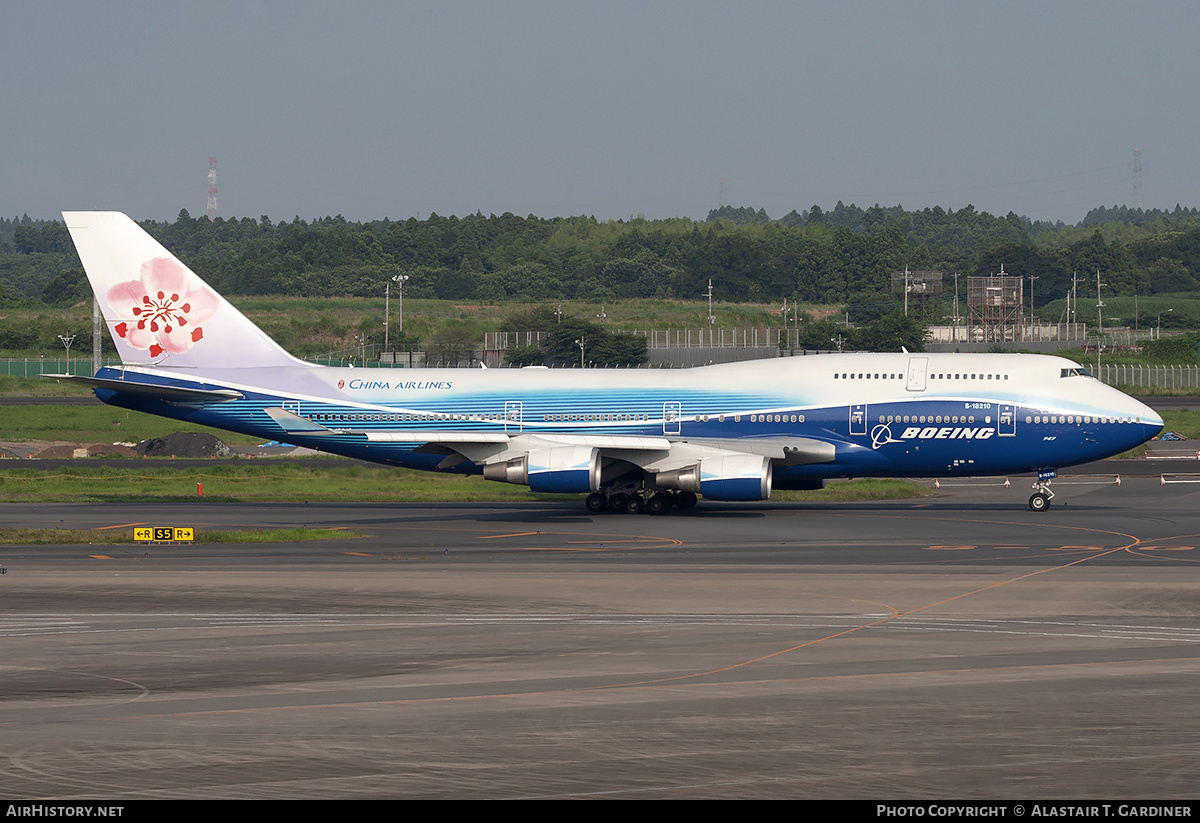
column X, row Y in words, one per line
column 37, row 366
column 1150, row 377
column 777, row 338
column 1126, row 376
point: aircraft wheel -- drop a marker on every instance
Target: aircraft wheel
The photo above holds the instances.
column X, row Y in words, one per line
column 1039, row 502
column 685, row 500
column 635, row 504
column 658, row 504
column 596, row 503
column 617, row 502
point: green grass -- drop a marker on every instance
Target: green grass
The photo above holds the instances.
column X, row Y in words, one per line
column 108, row 537
column 98, row 424
column 1142, row 312
column 252, row 481
column 1184, row 421
column 41, row 387
column 864, row 488
column 288, row 482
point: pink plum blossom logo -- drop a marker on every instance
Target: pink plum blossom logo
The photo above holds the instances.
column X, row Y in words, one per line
column 161, row 312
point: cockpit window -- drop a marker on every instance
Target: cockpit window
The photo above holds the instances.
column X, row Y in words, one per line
column 1078, row 372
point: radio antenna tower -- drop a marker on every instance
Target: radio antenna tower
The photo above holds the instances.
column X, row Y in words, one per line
column 212, row 211
column 1137, row 178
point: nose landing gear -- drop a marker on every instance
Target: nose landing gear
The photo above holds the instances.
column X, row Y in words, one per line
column 1039, row 501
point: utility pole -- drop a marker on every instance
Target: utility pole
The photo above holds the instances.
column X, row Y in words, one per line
column 96, row 340
column 796, row 323
column 957, row 316
column 711, row 319
column 1099, row 323
column 785, row 319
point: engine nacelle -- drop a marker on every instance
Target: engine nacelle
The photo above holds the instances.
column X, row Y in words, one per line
column 563, row 469
column 729, row 477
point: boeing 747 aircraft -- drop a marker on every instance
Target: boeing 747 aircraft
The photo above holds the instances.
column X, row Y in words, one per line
column 631, row 440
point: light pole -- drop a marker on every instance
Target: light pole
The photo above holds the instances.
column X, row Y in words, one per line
column 67, row 340
column 1160, row 314
column 580, row 341
column 399, row 281
column 793, row 310
column 602, row 317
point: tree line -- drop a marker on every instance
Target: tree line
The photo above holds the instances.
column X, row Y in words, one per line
column 841, row 256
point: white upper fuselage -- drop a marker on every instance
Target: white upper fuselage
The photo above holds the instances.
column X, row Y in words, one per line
column 974, row 413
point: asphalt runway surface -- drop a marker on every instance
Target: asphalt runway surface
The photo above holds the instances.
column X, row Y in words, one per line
column 953, row 647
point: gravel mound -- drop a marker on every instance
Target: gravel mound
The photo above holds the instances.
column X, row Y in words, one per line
column 184, row 444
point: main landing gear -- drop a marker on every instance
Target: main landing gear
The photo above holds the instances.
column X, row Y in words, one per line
column 638, row 502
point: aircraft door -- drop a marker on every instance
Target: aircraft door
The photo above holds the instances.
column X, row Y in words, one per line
column 858, row 419
column 916, row 373
column 512, row 415
column 1006, row 421
column 292, row 406
column 672, row 415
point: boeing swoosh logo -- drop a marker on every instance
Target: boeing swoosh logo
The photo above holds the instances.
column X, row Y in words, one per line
column 882, row 435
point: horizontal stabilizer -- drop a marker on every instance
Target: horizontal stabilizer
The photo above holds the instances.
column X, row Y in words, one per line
column 157, row 391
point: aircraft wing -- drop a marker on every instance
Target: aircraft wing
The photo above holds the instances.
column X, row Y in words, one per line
column 652, row 453
column 784, row 451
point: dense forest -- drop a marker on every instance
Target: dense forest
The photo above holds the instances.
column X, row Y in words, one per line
column 843, row 256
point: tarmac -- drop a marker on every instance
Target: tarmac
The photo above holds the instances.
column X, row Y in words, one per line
column 959, row 646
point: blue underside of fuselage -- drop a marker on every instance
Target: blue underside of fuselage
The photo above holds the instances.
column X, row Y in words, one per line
column 865, row 446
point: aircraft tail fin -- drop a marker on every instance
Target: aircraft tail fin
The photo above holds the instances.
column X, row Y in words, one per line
column 158, row 310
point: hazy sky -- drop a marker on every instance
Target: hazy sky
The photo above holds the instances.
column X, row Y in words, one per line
column 396, row 109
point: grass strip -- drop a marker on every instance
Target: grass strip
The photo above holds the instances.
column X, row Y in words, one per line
column 249, row 483
column 108, row 537
column 864, row 488
column 285, row 482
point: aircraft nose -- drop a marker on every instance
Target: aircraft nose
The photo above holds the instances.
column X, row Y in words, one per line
column 1152, row 422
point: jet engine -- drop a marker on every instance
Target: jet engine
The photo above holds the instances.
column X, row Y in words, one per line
column 564, row 469
column 725, row 477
